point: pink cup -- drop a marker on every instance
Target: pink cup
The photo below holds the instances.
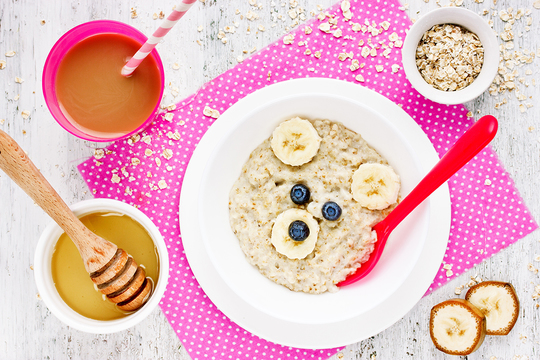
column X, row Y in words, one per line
column 59, row 50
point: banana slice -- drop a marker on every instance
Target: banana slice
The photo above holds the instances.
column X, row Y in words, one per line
column 499, row 302
column 295, row 141
column 283, row 242
column 375, row 186
column 457, row 327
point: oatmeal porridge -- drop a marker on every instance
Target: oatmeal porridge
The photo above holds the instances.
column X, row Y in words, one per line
column 305, row 203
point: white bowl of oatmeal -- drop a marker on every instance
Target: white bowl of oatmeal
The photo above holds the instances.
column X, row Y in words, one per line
column 439, row 83
column 223, row 247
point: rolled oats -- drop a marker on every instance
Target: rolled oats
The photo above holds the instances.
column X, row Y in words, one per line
column 162, row 184
column 288, row 39
column 449, row 57
column 25, row 114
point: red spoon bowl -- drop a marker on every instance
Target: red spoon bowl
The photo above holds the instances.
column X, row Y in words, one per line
column 476, row 138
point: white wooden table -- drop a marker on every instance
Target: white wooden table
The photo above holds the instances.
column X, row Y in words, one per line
column 27, row 328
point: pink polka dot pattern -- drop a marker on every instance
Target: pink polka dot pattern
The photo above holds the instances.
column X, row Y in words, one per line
column 487, row 212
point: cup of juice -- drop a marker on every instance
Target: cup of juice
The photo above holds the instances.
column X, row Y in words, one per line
column 85, row 91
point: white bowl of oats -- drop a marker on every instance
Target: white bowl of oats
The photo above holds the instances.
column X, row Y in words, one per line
column 245, row 191
column 259, row 304
column 450, row 55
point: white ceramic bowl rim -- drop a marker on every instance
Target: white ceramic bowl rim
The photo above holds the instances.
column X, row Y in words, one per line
column 47, row 290
column 469, row 20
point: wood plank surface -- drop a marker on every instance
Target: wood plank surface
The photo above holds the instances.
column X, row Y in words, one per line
column 28, row 330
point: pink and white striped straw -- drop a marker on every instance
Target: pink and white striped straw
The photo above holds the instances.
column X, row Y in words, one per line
column 152, row 41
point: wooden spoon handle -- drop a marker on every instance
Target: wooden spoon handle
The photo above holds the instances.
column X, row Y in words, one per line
column 95, row 251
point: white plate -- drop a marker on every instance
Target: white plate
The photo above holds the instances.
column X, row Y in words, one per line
column 356, row 312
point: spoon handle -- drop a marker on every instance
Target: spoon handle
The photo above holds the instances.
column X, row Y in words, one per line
column 465, row 148
column 95, row 251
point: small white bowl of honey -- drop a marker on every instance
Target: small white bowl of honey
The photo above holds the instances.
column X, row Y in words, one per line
column 64, row 284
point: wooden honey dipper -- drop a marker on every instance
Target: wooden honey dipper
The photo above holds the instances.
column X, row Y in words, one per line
column 115, row 273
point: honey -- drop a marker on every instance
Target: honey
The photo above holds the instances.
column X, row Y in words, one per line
column 73, row 282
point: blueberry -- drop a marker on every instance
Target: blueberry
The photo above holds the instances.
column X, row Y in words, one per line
column 331, row 211
column 298, row 230
column 300, row 194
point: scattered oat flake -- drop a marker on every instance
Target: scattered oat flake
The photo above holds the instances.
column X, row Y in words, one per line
column 288, row 39
column 531, row 268
column 18, row 80
column 3, row 64
column 448, row 266
column 147, row 139
column 174, row 136
column 487, row 182
column 239, row 59
column 449, row 273
column 133, row 139
column 458, row 289
column 307, row 30
column 379, row 68
column 25, row 114
column 536, row 257
column 168, row 116
column 10, row 53
column 167, row 154
column 337, row 33
column 354, row 65
column 359, row 78
column 365, row 51
column 208, row 111
column 2, row 121
column 134, row 13
column 115, row 179
column 99, row 154
column 148, row 152
column 158, row 162
column 317, row 54
column 536, row 4
column 324, row 27
column 162, row 184
column 135, row 161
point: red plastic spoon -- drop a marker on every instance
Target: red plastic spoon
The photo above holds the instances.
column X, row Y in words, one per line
column 465, row 148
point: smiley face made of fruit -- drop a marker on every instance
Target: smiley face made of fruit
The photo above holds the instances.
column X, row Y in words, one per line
column 374, row 186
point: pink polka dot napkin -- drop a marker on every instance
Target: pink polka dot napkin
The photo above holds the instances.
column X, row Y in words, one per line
column 360, row 44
